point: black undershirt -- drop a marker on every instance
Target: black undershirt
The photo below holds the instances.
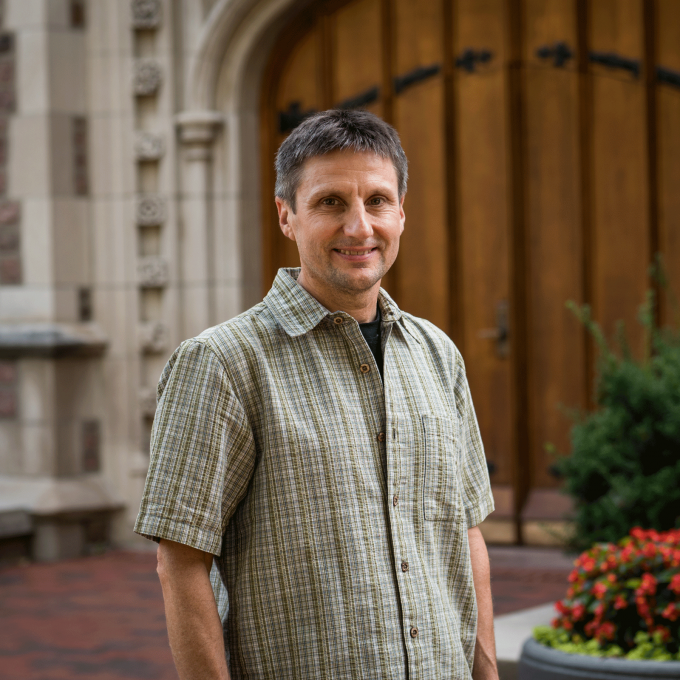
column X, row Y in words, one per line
column 371, row 333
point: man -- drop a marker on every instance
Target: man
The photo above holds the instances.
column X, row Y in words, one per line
column 323, row 450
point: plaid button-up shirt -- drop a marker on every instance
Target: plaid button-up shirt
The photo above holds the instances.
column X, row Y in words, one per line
column 337, row 507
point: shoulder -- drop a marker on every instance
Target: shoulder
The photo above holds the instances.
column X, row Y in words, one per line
column 434, row 341
column 234, row 347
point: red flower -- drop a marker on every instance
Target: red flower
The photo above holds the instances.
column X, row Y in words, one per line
column 578, row 611
column 648, row 585
column 620, row 602
column 562, row 608
column 599, row 590
column 588, row 564
column 649, row 550
column 672, row 613
column 674, row 585
column 606, row 631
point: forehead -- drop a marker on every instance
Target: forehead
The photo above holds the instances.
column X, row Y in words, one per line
column 347, row 167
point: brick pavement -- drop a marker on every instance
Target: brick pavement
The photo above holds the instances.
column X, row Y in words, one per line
column 101, row 618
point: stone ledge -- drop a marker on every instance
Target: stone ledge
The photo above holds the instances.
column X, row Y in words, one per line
column 48, row 497
column 50, row 340
column 57, row 515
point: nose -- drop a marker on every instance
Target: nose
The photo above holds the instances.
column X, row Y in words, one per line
column 358, row 224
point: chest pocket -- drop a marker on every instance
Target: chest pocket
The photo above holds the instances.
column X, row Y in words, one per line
column 440, row 489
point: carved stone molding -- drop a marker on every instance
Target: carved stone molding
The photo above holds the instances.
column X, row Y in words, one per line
column 147, row 77
column 152, row 272
column 150, row 210
column 153, row 337
column 147, row 401
column 197, row 131
column 146, row 14
column 149, row 146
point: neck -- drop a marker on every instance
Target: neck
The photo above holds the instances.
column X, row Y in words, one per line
column 360, row 305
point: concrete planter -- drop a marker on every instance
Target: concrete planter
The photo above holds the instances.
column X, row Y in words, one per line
column 539, row 662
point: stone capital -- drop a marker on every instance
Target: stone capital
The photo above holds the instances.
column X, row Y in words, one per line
column 198, row 128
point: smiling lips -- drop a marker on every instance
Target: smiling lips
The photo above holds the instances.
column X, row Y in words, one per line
column 355, row 252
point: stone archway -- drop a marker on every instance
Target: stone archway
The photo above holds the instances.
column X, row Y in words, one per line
column 220, row 159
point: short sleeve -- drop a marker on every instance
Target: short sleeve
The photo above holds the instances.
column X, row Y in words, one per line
column 202, row 453
column 476, row 487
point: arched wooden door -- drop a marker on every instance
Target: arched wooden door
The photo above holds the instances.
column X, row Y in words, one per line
column 543, row 139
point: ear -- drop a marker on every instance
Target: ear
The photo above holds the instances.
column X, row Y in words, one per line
column 285, row 214
column 402, row 215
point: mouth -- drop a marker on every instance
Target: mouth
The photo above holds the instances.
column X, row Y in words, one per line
column 355, row 253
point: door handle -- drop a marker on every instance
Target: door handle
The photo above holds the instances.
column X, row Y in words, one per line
column 501, row 333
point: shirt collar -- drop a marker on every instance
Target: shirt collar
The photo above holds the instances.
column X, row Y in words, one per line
column 298, row 312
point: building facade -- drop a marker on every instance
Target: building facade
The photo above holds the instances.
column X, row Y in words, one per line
column 136, row 151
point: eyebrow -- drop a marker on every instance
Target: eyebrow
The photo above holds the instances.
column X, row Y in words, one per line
column 382, row 189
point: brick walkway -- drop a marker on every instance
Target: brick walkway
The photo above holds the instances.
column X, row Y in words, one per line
column 101, row 618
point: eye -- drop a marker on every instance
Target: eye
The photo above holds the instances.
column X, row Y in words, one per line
column 329, row 201
column 376, row 200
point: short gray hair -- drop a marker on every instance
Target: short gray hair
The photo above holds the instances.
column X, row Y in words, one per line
column 336, row 130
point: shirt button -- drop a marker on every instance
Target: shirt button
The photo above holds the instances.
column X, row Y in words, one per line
column 395, row 500
column 337, row 320
column 381, row 437
column 414, row 632
column 364, row 368
column 404, row 566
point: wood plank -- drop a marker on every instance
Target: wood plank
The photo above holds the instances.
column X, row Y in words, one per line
column 483, row 220
column 668, row 155
column 297, row 86
column 620, row 217
column 357, row 51
column 419, row 117
column 553, row 221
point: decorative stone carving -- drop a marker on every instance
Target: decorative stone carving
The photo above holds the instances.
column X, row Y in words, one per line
column 150, row 210
column 146, row 14
column 147, row 401
column 147, row 77
column 153, row 337
column 152, row 272
column 149, row 146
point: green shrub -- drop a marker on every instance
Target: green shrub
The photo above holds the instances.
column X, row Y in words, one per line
column 624, row 467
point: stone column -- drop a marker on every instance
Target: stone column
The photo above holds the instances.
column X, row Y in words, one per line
column 197, row 132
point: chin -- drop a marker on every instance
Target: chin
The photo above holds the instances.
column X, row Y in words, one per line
column 356, row 280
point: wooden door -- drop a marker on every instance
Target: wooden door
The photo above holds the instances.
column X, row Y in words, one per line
column 543, row 139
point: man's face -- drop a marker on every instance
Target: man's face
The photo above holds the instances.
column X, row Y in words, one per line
column 348, row 222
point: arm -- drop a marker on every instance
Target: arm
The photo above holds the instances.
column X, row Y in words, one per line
column 485, row 647
column 194, row 626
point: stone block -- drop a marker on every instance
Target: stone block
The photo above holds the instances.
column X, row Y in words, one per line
column 152, row 272
column 91, row 434
column 150, row 210
column 10, row 271
column 15, row 523
column 8, row 402
column 153, row 337
column 8, row 99
column 149, row 146
column 147, row 77
column 80, row 164
column 9, row 239
column 55, row 540
column 146, row 14
column 147, row 401
column 10, row 212
column 8, row 373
